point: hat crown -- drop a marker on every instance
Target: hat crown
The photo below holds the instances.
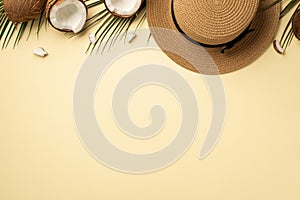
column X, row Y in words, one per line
column 214, row 22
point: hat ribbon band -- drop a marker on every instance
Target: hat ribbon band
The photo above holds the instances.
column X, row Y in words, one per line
column 226, row 46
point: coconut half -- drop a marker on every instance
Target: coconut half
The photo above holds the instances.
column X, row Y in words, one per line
column 67, row 15
column 23, row 10
column 123, row 8
column 296, row 24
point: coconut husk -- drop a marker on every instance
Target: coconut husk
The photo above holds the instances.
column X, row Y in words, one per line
column 23, row 10
column 296, row 24
column 49, row 5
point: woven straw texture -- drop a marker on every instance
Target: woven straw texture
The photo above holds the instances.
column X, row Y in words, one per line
column 184, row 52
column 214, row 21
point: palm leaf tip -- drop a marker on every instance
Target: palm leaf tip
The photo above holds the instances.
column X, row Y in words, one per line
column 111, row 28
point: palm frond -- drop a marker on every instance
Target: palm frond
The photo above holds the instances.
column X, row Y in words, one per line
column 110, row 28
column 288, row 34
column 288, row 8
column 8, row 36
column 10, row 30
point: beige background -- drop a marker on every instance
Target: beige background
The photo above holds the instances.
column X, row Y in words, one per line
column 41, row 156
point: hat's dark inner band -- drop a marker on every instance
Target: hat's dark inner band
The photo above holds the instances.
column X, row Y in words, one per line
column 226, row 46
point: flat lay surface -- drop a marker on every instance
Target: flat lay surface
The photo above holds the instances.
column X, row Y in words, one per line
column 42, row 157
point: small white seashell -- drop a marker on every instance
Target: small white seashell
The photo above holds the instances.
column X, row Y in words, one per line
column 131, row 36
column 39, row 51
column 277, row 46
column 92, row 38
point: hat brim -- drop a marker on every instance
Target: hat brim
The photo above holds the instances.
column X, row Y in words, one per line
column 185, row 52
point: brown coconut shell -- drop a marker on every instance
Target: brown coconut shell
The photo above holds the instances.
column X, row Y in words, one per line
column 49, row 5
column 296, row 24
column 23, row 10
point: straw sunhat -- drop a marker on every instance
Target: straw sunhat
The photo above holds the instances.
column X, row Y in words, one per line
column 233, row 32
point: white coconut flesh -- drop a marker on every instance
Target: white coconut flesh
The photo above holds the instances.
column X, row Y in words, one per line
column 123, row 8
column 68, row 15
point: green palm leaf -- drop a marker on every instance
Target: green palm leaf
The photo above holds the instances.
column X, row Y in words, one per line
column 288, row 34
column 110, row 28
column 10, row 30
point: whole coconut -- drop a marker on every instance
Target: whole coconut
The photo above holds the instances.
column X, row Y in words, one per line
column 23, row 10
